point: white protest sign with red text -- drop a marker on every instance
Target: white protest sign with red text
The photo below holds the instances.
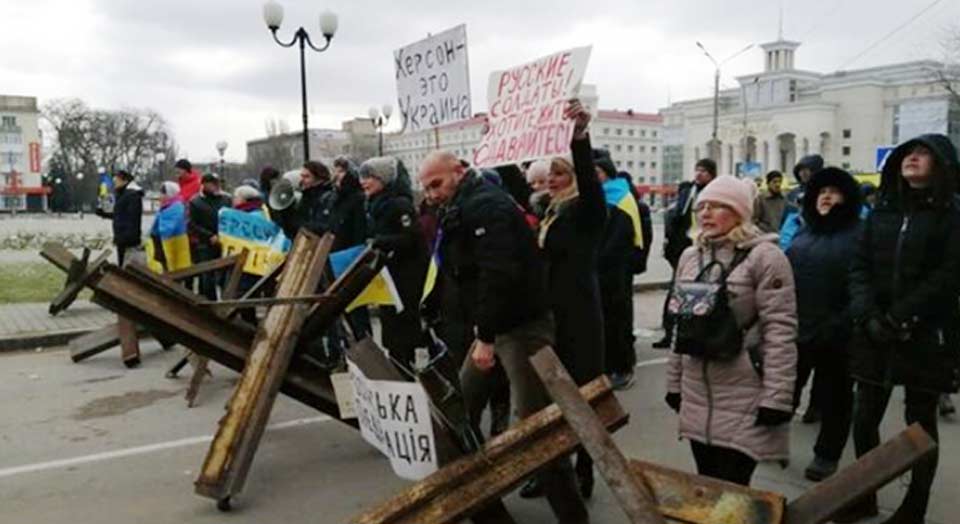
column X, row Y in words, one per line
column 526, row 106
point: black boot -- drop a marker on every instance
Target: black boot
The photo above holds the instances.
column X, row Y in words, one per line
column 533, row 489
column 499, row 418
column 664, row 343
column 584, row 471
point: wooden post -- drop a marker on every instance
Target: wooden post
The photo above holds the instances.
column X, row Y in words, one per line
column 634, row 497
column 231, row 452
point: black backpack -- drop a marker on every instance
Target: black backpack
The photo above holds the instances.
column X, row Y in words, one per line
column 705, row 324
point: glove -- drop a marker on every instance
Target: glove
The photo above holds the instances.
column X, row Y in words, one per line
column 773, row 417
column 880, row 330
column 673, row 400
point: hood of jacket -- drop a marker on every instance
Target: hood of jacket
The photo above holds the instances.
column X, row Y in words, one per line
column 132, row 187
column 841, row 215
column 812, row 162
column 894, row 190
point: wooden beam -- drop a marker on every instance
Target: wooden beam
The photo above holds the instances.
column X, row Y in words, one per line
column 459, row 489
column 202, row 363
column 634, row 497
column 77, row 277
column 685, row 498
column 231, row 453
column 201, row 268
column 129, row 342
column 868, row 474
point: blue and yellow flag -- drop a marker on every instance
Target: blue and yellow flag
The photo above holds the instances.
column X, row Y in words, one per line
column 106, row 185
column 170, row 228
column 380, row 292
column 264, row 240
column 617, row 192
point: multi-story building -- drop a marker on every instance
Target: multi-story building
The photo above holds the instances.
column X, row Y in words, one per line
column 634, row 141
column 460, row 138
column 782, row 113
column 21, row 185
column 357, row 139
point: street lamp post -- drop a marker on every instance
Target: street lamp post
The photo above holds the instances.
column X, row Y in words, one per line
column 76, row 196
column 379, row 118
column 273, row 16
column 221, row 148
column 714, row 142
column 161, row 157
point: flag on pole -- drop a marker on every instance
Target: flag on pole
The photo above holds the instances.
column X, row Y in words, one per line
column 170, row 231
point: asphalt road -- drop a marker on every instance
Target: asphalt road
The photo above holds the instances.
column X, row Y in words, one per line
column 94, row 442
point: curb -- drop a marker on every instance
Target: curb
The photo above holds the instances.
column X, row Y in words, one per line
column 41, row 340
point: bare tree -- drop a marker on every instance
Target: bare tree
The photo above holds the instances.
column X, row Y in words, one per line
column 86, row 139
column 275, row 151
column 949, row 75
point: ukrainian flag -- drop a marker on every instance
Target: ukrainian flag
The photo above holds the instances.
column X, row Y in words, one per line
column 617, row 192
column 380, row 292
column 170, row 228
column 106, row 186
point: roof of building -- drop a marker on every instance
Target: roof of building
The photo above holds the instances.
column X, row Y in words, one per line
column 629, row 115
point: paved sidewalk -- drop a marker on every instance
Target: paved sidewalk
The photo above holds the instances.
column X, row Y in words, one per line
column 28, row 326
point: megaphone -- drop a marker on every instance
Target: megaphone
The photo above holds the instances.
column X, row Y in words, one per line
column 283, row 194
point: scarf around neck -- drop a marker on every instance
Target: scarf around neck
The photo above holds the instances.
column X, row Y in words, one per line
column 566, row 197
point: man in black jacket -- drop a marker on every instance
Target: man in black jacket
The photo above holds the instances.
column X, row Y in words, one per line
column 127, row 214
column 489, row 254
column 904, row 285
column 679, row 230
column 204, row 212
column 315, row 183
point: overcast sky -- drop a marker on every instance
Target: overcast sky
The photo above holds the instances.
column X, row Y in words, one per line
column 211, row 68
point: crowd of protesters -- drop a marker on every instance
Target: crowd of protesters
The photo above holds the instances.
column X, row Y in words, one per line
column 848, row 286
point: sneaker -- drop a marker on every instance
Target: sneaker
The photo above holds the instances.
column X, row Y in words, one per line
column 820, row 468
column 664, row 343
column 946, row 406
column 811, row 416
column 621, row 381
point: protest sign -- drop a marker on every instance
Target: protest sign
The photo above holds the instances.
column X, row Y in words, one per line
column 394, row 417
column 265, row 241
column 433, row 80
column 526, row 106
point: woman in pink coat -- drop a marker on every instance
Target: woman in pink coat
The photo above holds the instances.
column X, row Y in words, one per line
column 736, row 411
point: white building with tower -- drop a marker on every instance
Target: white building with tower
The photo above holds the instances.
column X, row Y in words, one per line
column 782, row 113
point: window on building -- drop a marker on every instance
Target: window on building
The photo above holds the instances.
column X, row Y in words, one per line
column 9, row 121
column 643, row 164
column 606, row 130
column 606, row 146
column 846, row 150
column 643, row 132
column 654, row 134
column 619, row 131
column 653, row 180
column 630, row 163
column 619, row 147
column 847, row 133
column 653, row 149
column 619, row 163
column 845, row 165
column 793, row 90
column 630, row 148
column 629, row 132
column 653, row 165
column 642, row 179
column 642, row 149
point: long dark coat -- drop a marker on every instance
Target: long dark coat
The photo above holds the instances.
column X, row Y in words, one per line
column 571, row 249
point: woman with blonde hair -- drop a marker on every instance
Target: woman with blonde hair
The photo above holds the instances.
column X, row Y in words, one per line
column 732, row 374
column 570, row 234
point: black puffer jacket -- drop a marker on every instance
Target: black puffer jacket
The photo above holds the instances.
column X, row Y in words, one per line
column 571, row 248
column 907, row 271
column 395, row 230
column 204, row 218
column 820, row 256
column 308, row 213
column 342, row 212
column 677, row 222
column 488, row 254
column 127, row 215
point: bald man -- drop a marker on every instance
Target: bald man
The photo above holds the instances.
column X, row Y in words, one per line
column 489, row 255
